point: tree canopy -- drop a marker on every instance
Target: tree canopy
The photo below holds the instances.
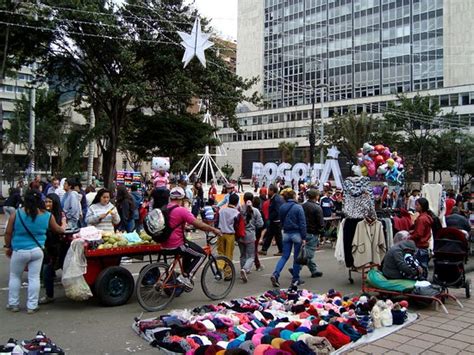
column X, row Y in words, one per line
column 125, row 61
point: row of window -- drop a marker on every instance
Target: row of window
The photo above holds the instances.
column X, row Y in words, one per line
column 298, row 132
column 14, row 89
column 460, row 99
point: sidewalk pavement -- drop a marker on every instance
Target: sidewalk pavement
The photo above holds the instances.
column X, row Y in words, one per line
column 433, row 333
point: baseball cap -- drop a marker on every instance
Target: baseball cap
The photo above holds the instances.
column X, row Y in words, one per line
column 177, row 193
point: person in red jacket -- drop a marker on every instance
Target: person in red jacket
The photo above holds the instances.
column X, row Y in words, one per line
column 450, row 202
column 421, row 232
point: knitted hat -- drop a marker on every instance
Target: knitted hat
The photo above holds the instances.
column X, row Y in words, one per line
column 234, row 344
column 267, row 339
column 247, row 346
column 257, row 339
column 286, row 346
column 260, row 349
column 300, row 347
column 277, row 342
column 286, row 334
column 276, row 352
column 296, row 335
column 212, row 350
column 276, row 332
column 209, row 325
column 335, row 336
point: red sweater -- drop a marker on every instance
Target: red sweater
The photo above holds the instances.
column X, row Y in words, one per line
column 421, row 233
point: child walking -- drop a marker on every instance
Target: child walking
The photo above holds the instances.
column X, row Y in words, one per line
column 253, row 221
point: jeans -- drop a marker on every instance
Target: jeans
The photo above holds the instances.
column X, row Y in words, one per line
column 247, row 255
column 8, row 211
column 127, row 226
column 312, row 242
column 274, row 230
column 290, row 240
column 423, row 256
column 48, row 278
column 20, row 259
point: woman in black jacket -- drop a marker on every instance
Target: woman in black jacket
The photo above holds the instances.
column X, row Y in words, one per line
column 125, row 206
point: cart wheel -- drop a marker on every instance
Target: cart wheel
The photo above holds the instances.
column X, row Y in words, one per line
column 114, row 286
column 467, row 285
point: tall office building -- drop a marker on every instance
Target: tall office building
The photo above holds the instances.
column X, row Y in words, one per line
column 365, row 52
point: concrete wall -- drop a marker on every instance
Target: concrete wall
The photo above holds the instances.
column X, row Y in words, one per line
column 458, row 42
column 250, row 40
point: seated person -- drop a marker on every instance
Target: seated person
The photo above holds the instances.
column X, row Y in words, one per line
column 400, row 263
column 193, row 255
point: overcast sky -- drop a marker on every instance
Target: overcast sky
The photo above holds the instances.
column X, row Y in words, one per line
column 223, row 14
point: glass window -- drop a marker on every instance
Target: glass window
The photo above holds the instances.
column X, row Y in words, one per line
column 444, row 100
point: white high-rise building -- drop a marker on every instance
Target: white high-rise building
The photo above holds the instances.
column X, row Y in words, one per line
column 365, row 51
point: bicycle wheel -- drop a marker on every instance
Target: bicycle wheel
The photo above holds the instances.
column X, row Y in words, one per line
column 218, row 277
column 156, row 288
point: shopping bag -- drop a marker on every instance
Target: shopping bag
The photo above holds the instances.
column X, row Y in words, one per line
column 75, row 266
column 302, row 258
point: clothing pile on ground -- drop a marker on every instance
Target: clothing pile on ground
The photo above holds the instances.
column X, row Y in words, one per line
column 279, row 322
column 40, row 344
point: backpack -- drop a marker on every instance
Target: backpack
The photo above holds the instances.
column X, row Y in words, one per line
column 239, row 226
column 156, row 224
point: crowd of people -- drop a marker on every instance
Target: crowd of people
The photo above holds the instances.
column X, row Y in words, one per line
column 39, row 215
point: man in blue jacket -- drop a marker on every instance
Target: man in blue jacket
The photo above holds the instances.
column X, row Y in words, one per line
column 273, row 227
column 293, row 221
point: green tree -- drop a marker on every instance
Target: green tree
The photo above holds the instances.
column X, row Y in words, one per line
column 50, row 126
column 417, row 122
column 349, row 132
column 125, row 59
column 177, row 136
column 287, row 150
column 228, row 170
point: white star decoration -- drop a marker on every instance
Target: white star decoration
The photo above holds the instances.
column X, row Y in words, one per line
column 333, row 152
column 195, row 44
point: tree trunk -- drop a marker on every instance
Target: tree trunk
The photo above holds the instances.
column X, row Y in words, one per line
column 108, row 165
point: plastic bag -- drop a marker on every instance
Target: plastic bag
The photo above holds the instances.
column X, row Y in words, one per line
column 75, row 266
column 302, row 258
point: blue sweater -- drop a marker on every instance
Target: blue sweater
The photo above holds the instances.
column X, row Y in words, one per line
column 293, row 219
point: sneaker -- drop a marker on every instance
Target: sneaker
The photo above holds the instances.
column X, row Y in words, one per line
column 185, row 281
column 46, row 300
column 278, row 254
column 274, row 281
column 297, row 283
column 31, row 311
column 243, row 275
column 316, row 274
column 260, row 268
column 262, row 252
column 13, row 308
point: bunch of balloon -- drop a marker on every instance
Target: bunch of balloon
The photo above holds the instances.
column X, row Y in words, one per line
column 379, row 163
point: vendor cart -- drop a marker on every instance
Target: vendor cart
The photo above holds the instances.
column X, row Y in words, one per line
column 111, row 283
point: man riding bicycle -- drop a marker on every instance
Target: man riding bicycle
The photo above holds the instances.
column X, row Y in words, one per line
column 193, row 255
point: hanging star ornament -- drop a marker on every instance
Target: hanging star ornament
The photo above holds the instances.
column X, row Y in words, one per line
column 195, row 44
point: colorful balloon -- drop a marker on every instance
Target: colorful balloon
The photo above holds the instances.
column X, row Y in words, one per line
column 382, row 169
column 364, row 171
column 367, row 148
column 379, row 160
column 379, row 148
column 390, row 162
column 386, row 154
column 373, row 153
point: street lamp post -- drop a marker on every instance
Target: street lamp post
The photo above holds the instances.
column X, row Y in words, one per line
column 312, row 135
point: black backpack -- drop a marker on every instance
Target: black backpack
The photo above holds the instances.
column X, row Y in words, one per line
column 156, row 224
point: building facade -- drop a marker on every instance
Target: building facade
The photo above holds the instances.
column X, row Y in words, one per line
column 363, row 52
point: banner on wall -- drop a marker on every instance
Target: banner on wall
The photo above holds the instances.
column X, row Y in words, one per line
column 128, row 178
column 269, row 172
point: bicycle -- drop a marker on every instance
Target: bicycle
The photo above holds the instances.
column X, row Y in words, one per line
column 157, row 283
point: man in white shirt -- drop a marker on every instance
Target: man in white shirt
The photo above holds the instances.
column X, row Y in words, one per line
column 415, row 195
